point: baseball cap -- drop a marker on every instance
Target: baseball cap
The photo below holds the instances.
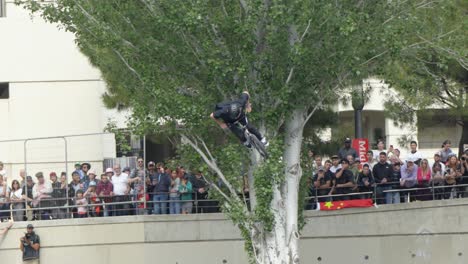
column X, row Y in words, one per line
column 334, row 156
column 410, row 160
column 30, row 226
column 40, row 175
column 77, row 164
column 109, row 170
column 91, row 172
column 347, row 140
column 321, row 168
column 28, row 178
column 92, row 183
column 151, row 163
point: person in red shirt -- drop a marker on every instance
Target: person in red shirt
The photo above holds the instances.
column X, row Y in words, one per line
column 105, row 190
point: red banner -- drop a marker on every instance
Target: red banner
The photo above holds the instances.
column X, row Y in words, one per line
column 337, row 205
column 361, row 145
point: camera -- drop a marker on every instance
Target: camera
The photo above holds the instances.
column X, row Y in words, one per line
column 462, row 158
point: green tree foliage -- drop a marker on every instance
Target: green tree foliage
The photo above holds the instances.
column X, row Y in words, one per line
column 435, row 75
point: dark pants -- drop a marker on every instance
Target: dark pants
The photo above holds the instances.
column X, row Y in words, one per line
column 121, row 209
column 236, row 130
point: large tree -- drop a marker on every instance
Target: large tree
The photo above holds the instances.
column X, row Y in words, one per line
column 435, row 76
column 171, row 60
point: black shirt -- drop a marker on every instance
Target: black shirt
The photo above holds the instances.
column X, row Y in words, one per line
column 346, row 176
column 326, row 177
column 362, row 178
column 381, row 171
column 224, row 111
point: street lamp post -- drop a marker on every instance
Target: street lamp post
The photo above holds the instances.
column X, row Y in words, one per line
column 358, row 105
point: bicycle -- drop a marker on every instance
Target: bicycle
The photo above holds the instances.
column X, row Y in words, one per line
column 253, row 141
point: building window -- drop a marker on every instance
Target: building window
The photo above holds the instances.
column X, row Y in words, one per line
column 2, row 8
column 4, row 90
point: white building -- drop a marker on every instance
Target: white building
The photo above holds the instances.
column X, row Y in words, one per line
column 48, row 88
column 429, row 135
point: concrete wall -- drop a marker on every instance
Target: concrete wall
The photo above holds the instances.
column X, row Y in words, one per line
column 421, row 232
column 54, row 91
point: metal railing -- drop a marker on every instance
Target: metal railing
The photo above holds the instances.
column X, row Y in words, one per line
column 132, row 204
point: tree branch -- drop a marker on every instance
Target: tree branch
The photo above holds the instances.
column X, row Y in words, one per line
column 213, row 167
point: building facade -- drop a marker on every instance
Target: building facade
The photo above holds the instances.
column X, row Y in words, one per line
column 48, row 89
column 429, row 134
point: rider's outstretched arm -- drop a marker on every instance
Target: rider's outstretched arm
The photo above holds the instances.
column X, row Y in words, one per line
column 218, row 121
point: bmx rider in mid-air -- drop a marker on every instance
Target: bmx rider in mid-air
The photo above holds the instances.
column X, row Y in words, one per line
column 227, row 114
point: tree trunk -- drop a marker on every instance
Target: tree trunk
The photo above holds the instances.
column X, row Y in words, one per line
column 281, row 245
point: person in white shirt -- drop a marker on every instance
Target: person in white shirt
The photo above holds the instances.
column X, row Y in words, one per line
column 335, row 164
column 121, row 191
column 380, row 148
column 41, row 191
column 414, row 154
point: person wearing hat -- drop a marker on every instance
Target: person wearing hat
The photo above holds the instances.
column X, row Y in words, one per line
column 347, row 150
column 41, row 192
column 335, row 164
column 85, row 167
column 4, row 195
column 343, row 181
column 91, row 177
column 79, row 170
column 321, row 184
column 30, row 246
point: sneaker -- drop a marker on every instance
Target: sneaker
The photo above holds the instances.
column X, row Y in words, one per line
column 247, row 144
column 265, row 142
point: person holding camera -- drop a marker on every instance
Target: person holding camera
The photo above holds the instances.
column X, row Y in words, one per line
column 29, row 245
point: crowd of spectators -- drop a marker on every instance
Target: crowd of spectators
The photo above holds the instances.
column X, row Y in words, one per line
column 151, row 189
column 155, row 189
column 386, row 176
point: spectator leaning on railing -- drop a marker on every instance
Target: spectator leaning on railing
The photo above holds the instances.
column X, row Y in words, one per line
column 161, row 183
column 409, row 172
column 41, row 196
column 105, row 191
column 28, row 196
column 366, row 181
column 17, row 202
column 382, row 172
column 121, row 191
column 321, row 184
column 343, row 181
column 395, row 184
column 185, row 190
